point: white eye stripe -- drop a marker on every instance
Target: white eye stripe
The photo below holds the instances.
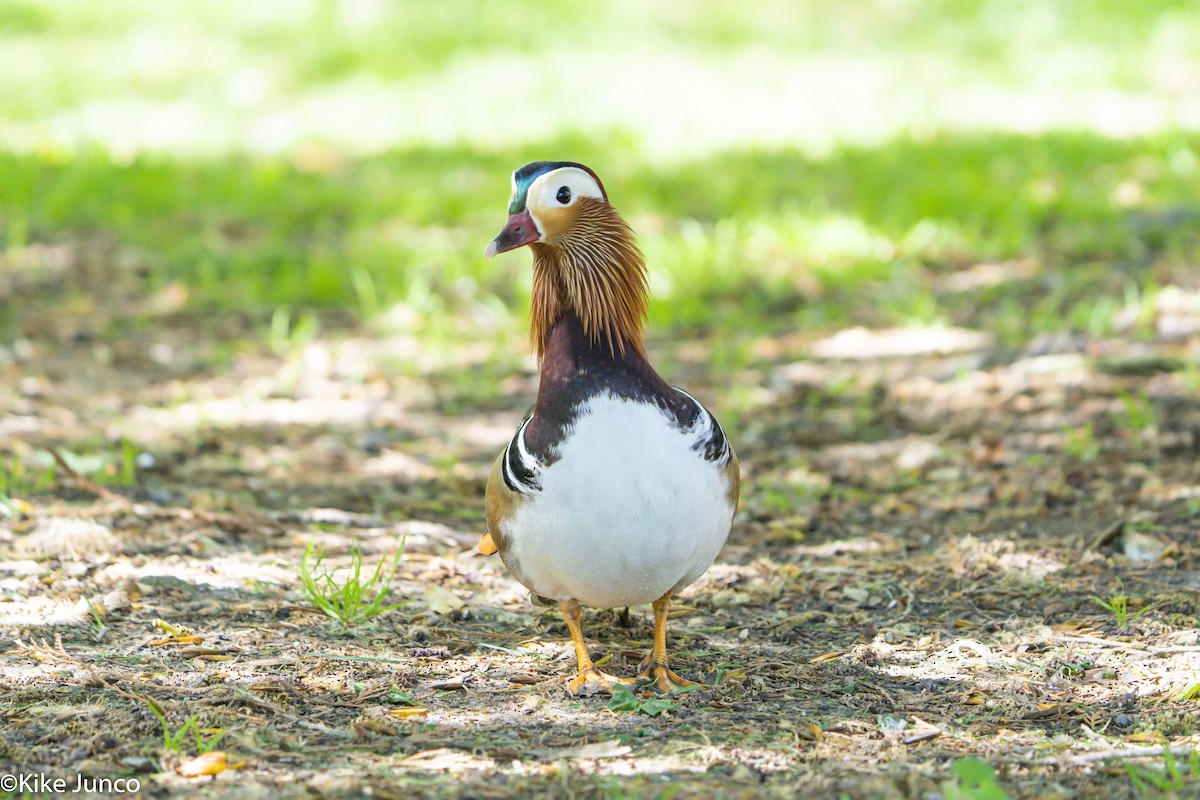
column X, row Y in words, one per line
column 545, row 189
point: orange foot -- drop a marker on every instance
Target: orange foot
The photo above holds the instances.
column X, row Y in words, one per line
column 662, row 678
column 592, row 681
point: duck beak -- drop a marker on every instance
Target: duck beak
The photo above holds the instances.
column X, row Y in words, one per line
column 519, row 231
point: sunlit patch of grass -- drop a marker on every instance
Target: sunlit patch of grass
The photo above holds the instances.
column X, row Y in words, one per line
column 1081, row 443
column 1137, row 412
column 114, row 467
column 742, row 232
column 1118, row 604
column 858, row 235
column 29, row 472
column 21, row 477
column 287, row 335
column 1191, row 693
column 1095, row 316
column 369, row 76
column 348, row 598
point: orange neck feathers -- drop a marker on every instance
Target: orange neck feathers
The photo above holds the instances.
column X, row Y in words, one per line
column 595, row 270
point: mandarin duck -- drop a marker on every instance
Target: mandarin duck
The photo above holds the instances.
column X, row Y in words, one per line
column 617, row 489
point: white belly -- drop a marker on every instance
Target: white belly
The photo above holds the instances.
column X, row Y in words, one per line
column 627, row 513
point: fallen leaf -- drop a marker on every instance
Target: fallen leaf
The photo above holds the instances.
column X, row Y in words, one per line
column 609, row 748
column 443, row 759
column 454, row 684
column 859, row 596
column 923, row 736
column 210, row 763
column 171, row 628
column 175, row 640
column 811, row 732
column 408, row 712
column 442, row 601
column 526, row 680
column 1043, row 710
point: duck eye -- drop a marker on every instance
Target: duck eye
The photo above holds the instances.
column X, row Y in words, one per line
column 564, row 195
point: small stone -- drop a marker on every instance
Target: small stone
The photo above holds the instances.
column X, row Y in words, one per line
column 1142, row 547
column 23, row 350
column 859, row 596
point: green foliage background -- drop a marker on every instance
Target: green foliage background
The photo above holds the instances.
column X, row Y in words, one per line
column 345, row 159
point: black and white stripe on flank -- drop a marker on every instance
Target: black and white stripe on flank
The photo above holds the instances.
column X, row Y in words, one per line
column 710, row 439
column 519, row 467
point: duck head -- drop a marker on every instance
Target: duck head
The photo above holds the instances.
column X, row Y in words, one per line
column 585, row 259
column 547, row 198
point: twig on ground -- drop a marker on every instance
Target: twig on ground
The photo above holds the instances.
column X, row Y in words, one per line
column 86, row 483
column 1109, row 755
column 1130, row 646
column 43, row 652
column 1096, row 640
column 1166, row 651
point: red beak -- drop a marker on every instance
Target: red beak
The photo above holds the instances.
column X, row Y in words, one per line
column 519, row 231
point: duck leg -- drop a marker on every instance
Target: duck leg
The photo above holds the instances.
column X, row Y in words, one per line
column 589, row 680
column 654, row 668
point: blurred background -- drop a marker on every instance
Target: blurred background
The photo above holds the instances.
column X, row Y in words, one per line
column 187, row 188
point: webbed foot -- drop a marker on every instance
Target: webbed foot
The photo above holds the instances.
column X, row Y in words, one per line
column 592, row 681
column 663, row 679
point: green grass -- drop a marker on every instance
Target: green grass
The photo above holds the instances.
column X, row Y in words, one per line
column 107, row 463
column 177, row 740
column 796, row 237
column 1081, row 443
column 1117, row 603
column 329, row 229
column 25, row 473
column 1175, row 777
column 324, row 42
column 98, row 626
column 1137, row 414
column 21, row 478
column 347, row 598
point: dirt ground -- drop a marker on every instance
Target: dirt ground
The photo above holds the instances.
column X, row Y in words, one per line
column 929, row 523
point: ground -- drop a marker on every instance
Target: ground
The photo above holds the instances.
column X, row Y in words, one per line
column 929, row 527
